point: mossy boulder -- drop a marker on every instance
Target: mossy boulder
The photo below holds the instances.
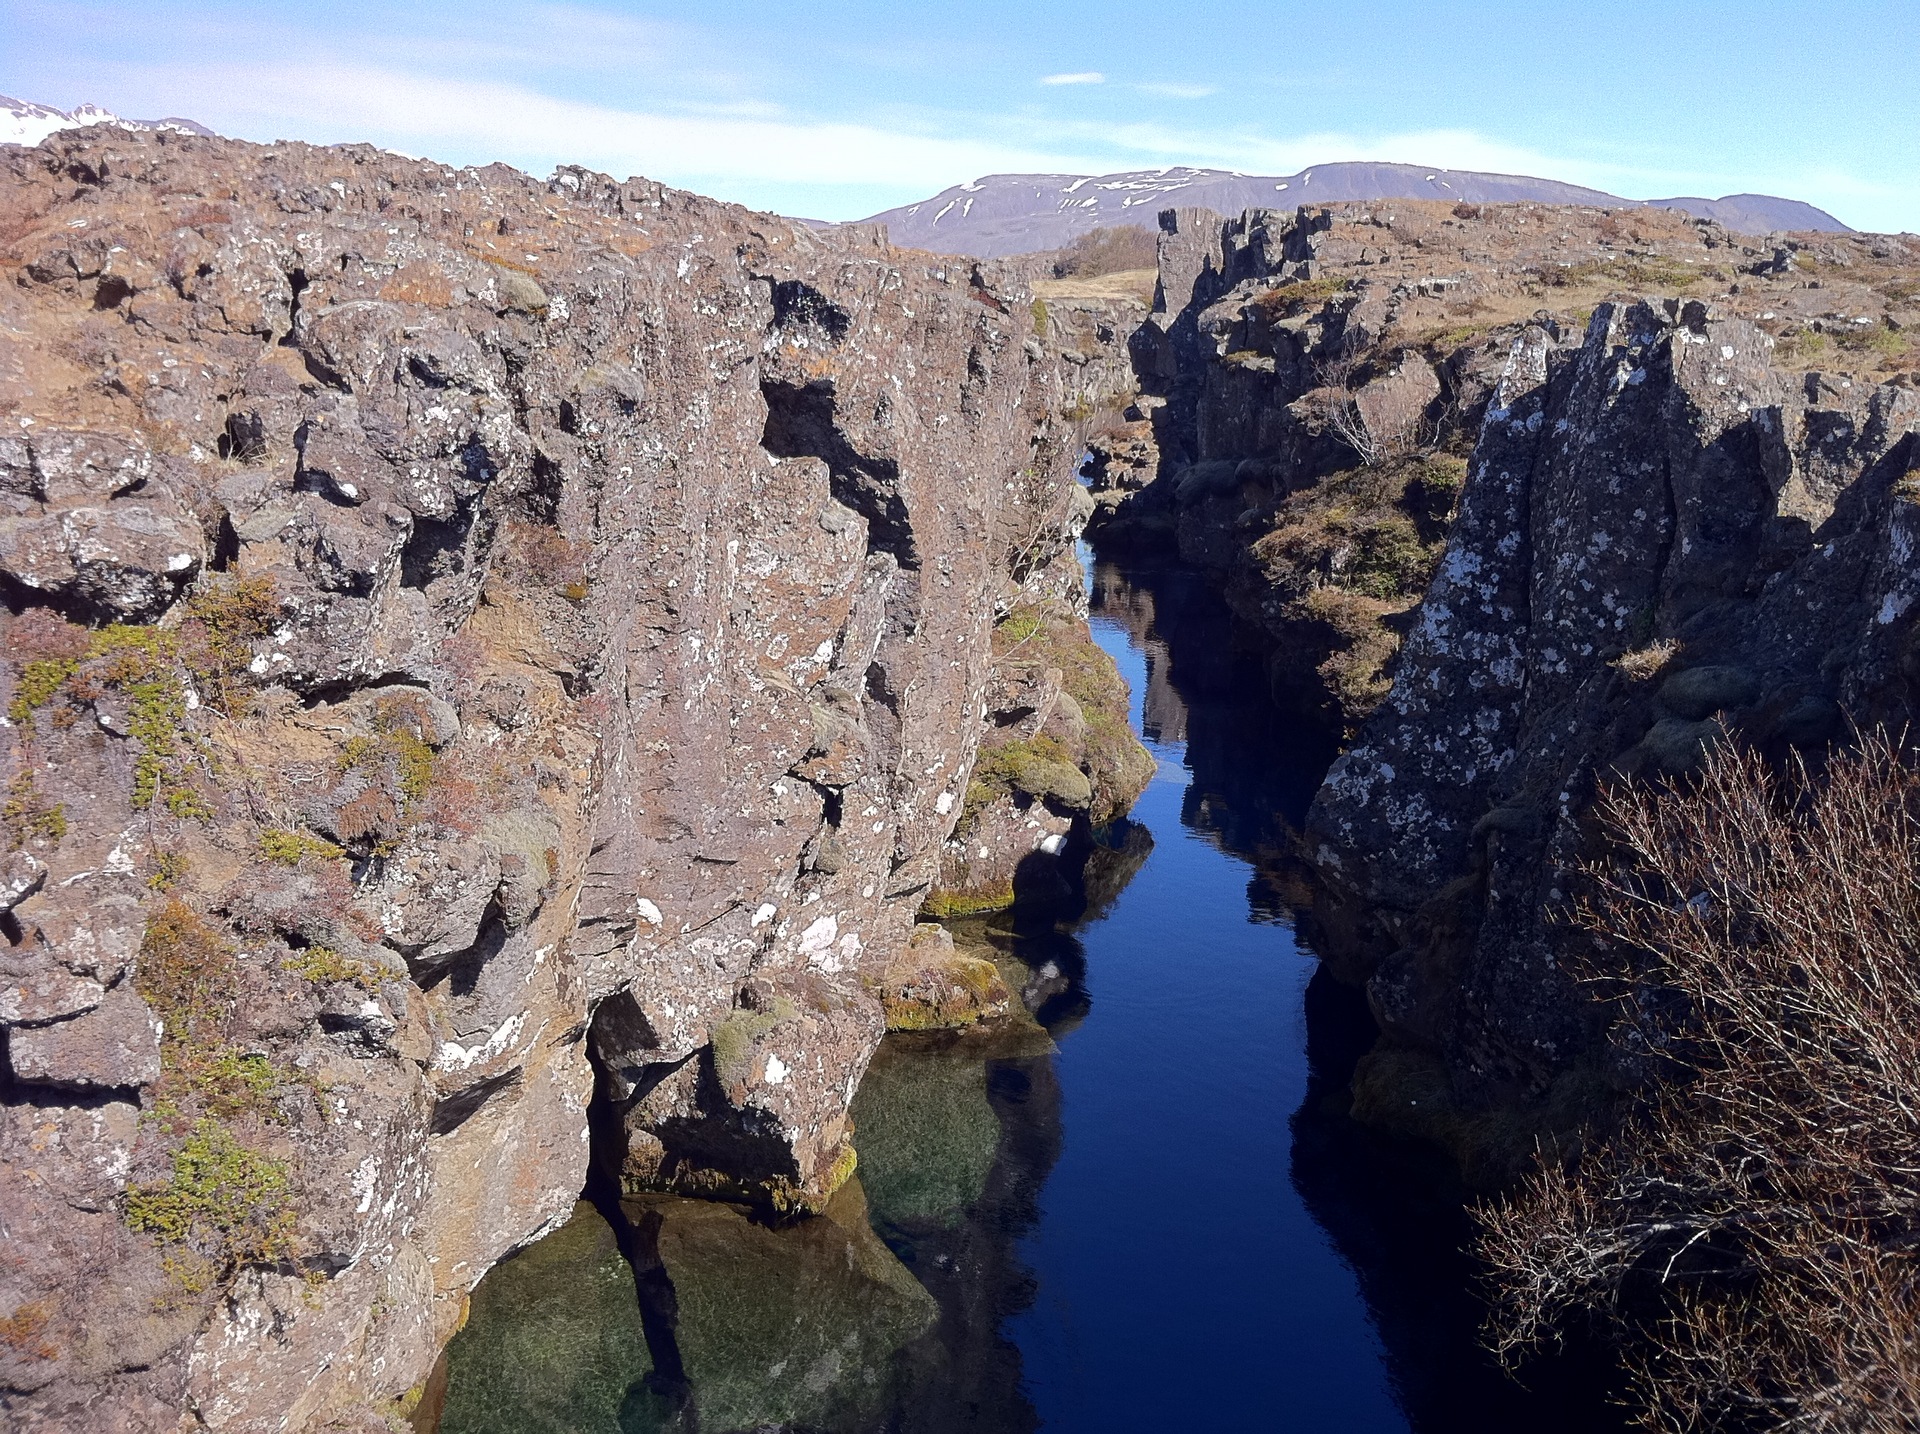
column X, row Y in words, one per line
column 518, row 293
column 931, row 986
column 1058, row 782
column 1040, row 766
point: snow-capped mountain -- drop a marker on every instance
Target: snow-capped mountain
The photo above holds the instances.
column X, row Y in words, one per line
column 1021, row 213
column 23, row 122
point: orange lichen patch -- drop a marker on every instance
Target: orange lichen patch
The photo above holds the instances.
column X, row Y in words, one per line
column 501, row 261
column 418, row 283
column 24, row 1331
column 632, row 245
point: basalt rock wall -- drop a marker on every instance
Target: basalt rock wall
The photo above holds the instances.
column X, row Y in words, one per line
column 1520, row 529
column 1666, row 539
column 467, row 637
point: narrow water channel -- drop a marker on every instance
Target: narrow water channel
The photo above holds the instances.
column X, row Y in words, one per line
column 1144, row 1210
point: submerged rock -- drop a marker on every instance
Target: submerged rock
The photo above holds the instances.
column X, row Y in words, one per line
column 796, row 1326
column 928, row 1134
column 554, row 1343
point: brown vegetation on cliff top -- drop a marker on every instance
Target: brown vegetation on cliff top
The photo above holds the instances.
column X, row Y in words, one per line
column 1107, row 251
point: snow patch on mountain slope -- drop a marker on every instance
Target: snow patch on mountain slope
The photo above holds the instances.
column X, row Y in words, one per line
column 24, row 122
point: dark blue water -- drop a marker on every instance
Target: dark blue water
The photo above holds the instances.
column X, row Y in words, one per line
column 1180, row 1273
column 1145, row 1210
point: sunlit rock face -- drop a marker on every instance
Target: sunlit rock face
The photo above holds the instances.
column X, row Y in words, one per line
column 461, row 630
column 1519, row 499
column 1666, row 538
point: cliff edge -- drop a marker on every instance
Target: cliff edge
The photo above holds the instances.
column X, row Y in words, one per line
column 467, row 638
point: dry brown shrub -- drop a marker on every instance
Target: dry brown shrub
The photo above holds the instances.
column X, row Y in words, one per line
column 371, row 814
column 23, row 1331
column 1112, row 250
column 533, row 555
column 1753, row 1230
column 187, row 972
column 205, row 216
column 1335, row 404
column 39, row 635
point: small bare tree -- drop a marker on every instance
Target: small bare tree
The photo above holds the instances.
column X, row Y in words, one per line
column 1337, row 407
column 1754, row 1229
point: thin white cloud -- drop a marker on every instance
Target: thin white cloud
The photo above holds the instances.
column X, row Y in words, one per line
column 1179, row 92
column 1075, row 77
column 480, row 120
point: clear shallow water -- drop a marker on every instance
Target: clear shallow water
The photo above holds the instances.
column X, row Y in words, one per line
column 1145, row 1211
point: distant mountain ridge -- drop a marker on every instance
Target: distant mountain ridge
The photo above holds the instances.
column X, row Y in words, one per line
column 24, row 122
column 1021, row 213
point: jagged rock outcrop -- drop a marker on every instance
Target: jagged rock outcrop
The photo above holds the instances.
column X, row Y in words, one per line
column 1666, row 538
column 1314, row 380
column 1059, row 764
column 1607, row 531
column 462, row 631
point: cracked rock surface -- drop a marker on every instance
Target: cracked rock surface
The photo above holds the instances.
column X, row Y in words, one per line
column 1666, row 539
column 461, row 631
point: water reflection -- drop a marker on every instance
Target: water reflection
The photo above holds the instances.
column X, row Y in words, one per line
column 1253, row 759
column 1142, row 1208
column 1394, row 1211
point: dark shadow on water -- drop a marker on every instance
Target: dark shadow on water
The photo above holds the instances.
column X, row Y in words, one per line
column 1396, row 1211
column 1398, row 1214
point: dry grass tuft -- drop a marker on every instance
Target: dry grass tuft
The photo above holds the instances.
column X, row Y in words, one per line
column 1645, row 663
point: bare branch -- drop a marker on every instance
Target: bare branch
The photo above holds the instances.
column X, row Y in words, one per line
column 1753, row 1229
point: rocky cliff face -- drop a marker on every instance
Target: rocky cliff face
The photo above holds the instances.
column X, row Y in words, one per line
column 463, row 634
column 1520, row 530
column 1665, row 540
column 1312, row 383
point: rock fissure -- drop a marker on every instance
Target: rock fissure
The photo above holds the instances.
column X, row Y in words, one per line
column 1524, row 511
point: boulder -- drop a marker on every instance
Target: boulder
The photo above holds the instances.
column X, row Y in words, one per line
column 930, row 985
column 115, row 1045
column 1699, row 692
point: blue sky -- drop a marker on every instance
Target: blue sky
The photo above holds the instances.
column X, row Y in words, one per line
column 839, row 110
